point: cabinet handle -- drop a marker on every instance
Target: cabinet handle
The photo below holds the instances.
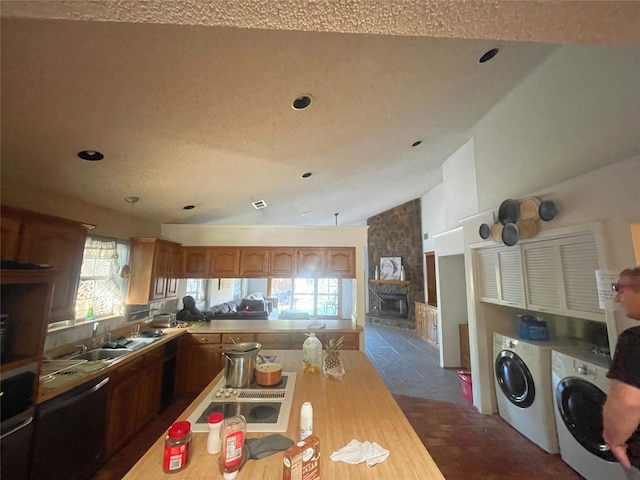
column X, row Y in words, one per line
column 204, row 339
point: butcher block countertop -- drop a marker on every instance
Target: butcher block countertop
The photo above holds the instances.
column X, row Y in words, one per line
column 358, row 407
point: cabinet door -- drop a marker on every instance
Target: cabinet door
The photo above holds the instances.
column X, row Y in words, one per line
column 487, row 268
column 61, row 246
column 224, row 262
column 160, row 272
column 543, row 282
column 204, row 362
column 174, row 271
column 122, row 406
column 10, row 235
column 310, row 262
column 510, row 277
column 432, row 325
column 341, row 262
column 282, row 262
column 275, row 341
column 579, row 262
column 254, row 262
column 195, row 262
column 421, row 320
column 149, row 387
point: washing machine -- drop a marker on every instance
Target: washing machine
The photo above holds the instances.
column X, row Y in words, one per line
column 580, row 384
column 522, row 373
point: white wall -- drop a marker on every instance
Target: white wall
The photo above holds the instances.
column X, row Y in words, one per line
column 459, row 180
column 452, row 307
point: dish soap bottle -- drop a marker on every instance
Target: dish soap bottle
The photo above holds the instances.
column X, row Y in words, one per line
column 312, row 354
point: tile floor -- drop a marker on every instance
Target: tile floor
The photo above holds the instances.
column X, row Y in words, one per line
column 465, row 444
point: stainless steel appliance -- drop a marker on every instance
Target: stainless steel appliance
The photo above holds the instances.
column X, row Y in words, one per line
column 164, row 320
column 17, row 426
column 266, row 409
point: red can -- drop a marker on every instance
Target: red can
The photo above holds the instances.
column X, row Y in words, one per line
column 176, row 447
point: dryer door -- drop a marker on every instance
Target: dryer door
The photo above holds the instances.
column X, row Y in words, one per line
column 515, row 379
column 580, row 405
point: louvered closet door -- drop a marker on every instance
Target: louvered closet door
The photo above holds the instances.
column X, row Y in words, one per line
column 487, row 265
column 579, row 261
column 511, row 279
column 543, row 283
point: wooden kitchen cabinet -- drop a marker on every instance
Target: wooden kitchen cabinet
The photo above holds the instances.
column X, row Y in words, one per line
column 341, row 262
column 152, row 270
column 43, row 239
column 427, row 323
column 254, row 262
column 310, row 262
column 195, row 262
column 224, row 262
column 26, row 301
column 134, row 398
column 421, row 320
column 282, row 262
column 199, row 361
column 174, row 270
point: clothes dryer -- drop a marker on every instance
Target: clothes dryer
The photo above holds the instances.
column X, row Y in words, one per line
column 522, row 373
column 580, row 385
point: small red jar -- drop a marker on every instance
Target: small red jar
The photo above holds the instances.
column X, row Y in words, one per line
column 176, row 447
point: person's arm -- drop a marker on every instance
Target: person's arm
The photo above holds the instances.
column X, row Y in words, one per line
column 621, row 416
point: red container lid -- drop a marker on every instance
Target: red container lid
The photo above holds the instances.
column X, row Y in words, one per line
column 215, row 417
column 179, row 429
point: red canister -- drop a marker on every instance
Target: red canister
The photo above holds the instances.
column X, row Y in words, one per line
column 176, row 447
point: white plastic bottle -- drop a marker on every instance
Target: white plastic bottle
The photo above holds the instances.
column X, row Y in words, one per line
column 312, row 354
column 306, row 420
column 214, row 443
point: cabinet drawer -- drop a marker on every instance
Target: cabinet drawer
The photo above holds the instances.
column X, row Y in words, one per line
column 274, row 340
column 205, row 338
column 238, row 337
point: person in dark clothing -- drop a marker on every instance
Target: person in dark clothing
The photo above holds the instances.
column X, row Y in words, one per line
column 621, row 412
column 190, row 313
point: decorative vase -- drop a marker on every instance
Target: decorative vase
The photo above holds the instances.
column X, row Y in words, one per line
column 402, row 273
column 376, row 274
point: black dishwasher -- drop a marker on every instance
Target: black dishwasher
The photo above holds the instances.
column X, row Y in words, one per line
column 70, row 431
column 169, row 374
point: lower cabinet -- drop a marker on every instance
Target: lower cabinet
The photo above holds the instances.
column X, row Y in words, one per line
column 199, row 361
column 200, row 356
column 427, row 323
column 134, row 398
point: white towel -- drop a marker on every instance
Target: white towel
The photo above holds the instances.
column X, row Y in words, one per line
column 357, row 452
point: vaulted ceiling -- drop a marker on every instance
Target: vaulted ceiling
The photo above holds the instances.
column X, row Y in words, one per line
column 191, row 102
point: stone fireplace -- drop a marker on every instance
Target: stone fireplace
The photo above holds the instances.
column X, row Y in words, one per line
column 396, row 233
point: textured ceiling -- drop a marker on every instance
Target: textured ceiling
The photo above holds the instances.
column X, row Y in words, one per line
column 190, row 113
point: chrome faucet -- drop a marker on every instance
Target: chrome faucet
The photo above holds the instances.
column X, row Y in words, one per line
column 82, row 346
column 94, row 343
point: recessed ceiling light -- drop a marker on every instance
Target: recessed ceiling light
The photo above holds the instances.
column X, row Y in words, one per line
column 489, row 54
column 307, row 175
column 188, row 207
column 259, row 204
column 90, row 155
column 416, row 143
column 131, row 200
column 302, row 102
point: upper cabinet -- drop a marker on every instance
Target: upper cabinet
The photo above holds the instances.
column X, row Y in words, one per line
column 153, row 270
column 224, row 262
column 254, row 262
column 43, row 239
column 560, row 276
column 282, row 262
column 261, row 262
column 195, row 262
column 341, row 262
column 552, row 276
column 500, row 277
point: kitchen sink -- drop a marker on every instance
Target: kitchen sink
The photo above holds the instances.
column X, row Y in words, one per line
column 101, row 354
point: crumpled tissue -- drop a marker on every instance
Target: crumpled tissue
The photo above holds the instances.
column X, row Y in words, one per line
column 357, row 452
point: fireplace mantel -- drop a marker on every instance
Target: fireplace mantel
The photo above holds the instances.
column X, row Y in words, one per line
column 390, row 282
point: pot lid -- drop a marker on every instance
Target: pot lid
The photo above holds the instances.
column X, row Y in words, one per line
column 509, row 211
column 510, row 234
column 244, row 347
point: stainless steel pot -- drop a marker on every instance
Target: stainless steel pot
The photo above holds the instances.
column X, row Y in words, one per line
column 240, row 364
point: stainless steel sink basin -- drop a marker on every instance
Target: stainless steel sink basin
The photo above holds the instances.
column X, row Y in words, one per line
column 101, row 354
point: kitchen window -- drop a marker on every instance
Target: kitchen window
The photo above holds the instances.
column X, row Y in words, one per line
column 197, row 287
column 103, row 280
column 320, row 297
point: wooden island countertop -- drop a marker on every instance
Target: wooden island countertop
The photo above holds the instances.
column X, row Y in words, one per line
column 358, row 407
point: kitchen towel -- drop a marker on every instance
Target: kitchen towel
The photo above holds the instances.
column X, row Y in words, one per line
column 357, row 452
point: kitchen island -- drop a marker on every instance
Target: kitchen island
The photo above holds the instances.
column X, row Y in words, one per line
column 358, row 407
